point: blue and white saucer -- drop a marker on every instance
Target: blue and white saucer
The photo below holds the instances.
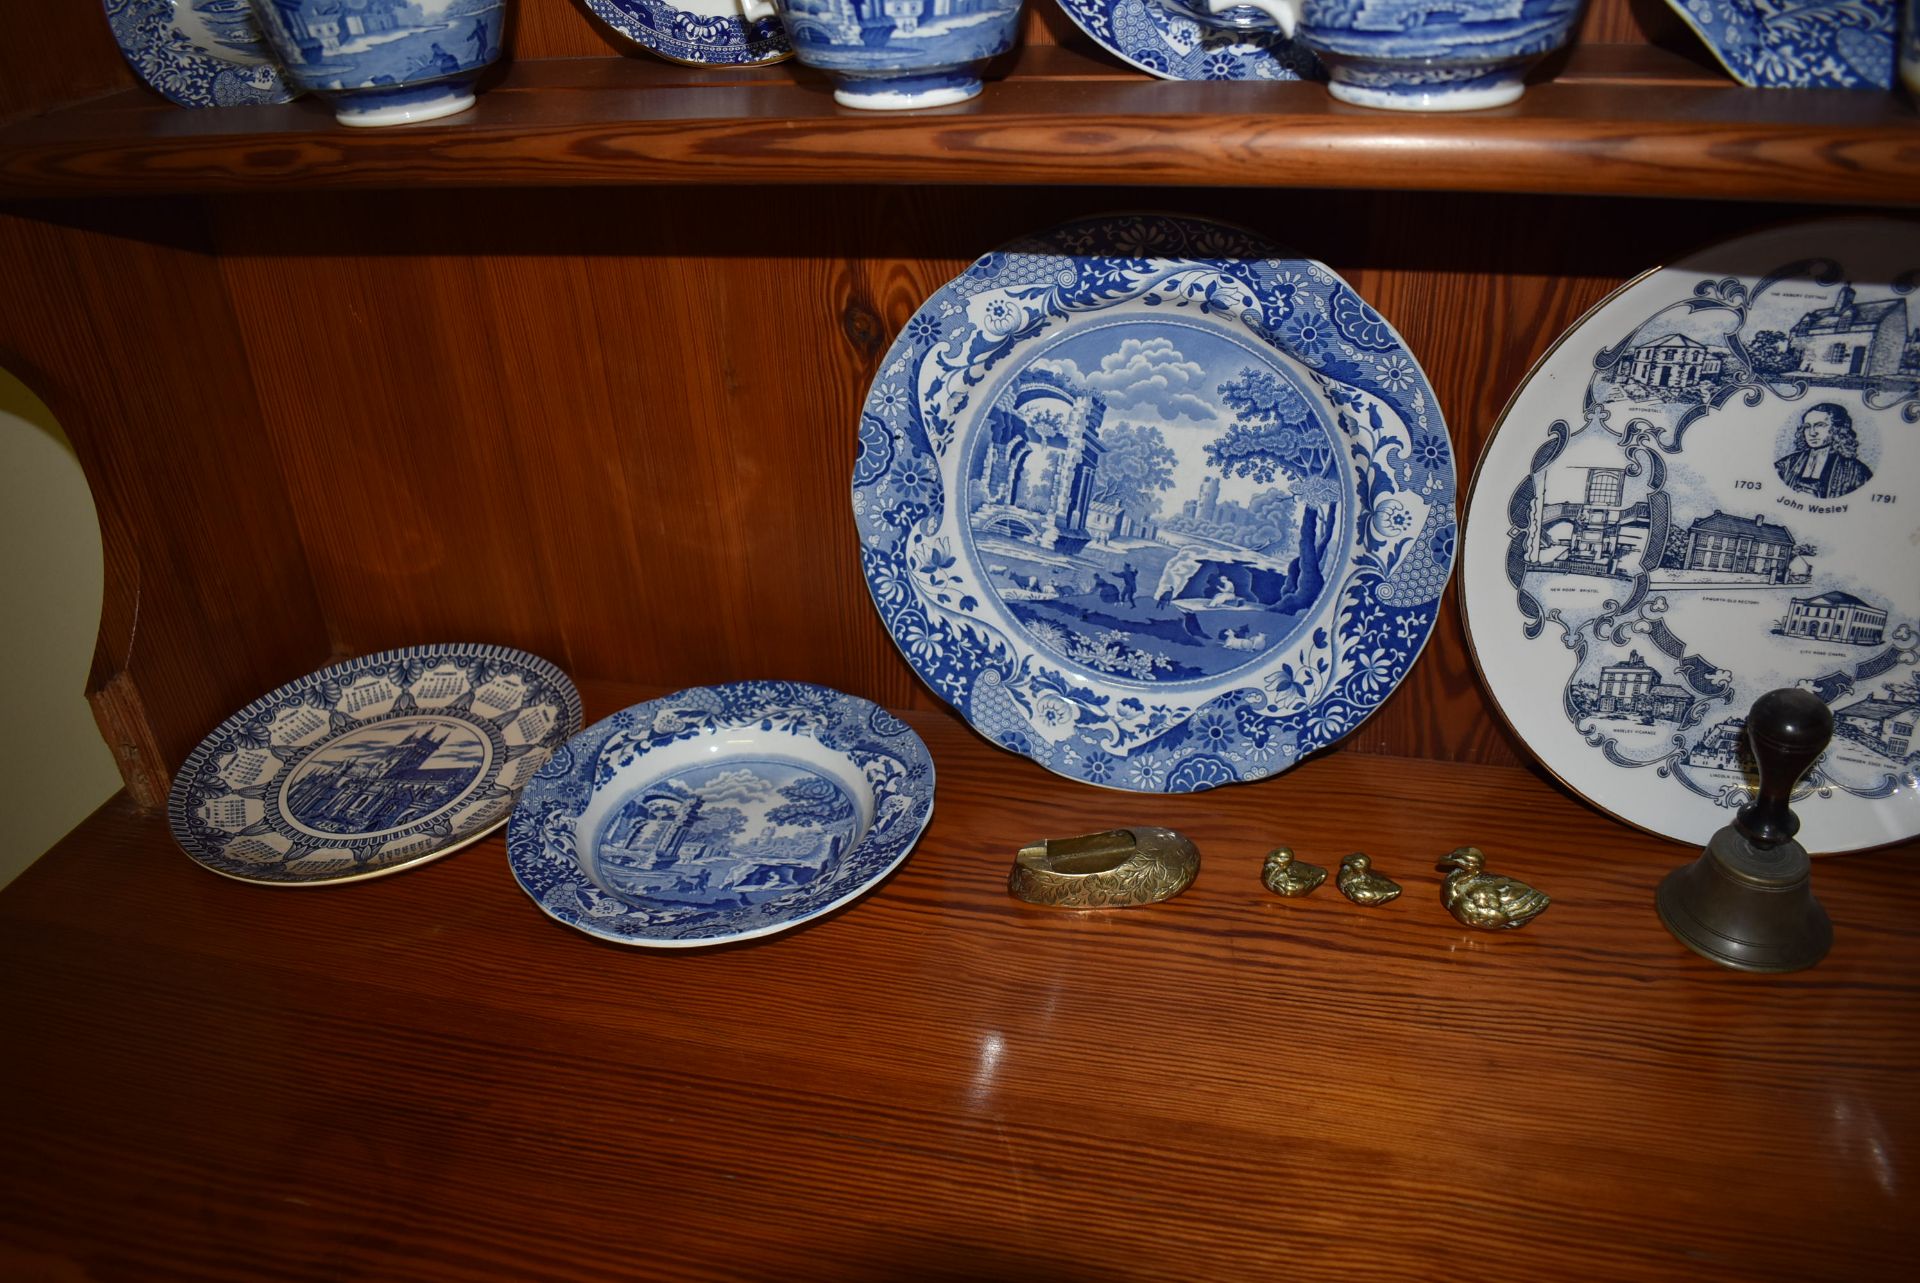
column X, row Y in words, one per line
column 1811, row 44
column 699, row 32
column 199, row 53
column 721, row 813
column 1173, row 46
column 1154, row 503
column 371, row 766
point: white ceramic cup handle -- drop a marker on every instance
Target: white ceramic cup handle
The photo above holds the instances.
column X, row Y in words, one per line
column 1284, row 12
column 754, row 10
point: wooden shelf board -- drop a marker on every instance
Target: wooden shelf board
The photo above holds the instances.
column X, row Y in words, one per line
column 1632, row 120
column 423, row 1076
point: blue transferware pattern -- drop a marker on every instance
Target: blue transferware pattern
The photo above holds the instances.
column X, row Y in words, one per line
column 705, row 32
column 1173, row 46
column 890, row 54
column 371, row 766
column 721, row 813
column 1154, row 503
column 1706, row 498
column 198, row 53
column 1427, row 55
column 1813, row 44
column 386, row 61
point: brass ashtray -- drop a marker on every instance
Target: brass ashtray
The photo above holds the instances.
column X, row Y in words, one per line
column 1110, row 870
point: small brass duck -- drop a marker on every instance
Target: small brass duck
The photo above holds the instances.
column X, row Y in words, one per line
column 1489, row 901
column 1284, row 875
column 1360, row 884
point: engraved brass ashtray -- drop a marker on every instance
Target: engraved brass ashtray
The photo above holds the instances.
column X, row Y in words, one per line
column 1110, row 870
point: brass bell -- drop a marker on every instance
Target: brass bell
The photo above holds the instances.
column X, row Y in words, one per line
column 1747, row 902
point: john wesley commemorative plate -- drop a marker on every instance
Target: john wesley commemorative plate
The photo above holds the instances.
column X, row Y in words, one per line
column 371, row 766
column 1710, row 489
column 1154, row 503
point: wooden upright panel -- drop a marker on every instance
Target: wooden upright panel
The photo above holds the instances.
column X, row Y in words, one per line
column 618, row 428
column 127, row 336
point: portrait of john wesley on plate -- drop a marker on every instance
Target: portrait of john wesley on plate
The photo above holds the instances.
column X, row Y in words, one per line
column 1825, row 461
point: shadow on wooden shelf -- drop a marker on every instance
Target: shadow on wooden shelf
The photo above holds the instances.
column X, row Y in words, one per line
column 1060, row 116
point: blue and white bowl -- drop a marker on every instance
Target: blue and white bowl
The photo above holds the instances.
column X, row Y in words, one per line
column 1412, row 55
column 721, row 813
column 386, row 62
column 891, row 54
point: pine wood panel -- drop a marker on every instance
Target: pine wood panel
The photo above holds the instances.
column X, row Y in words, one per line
column 132, row 345
column 424, row 1077
column 633, row 455
column 1611, row 119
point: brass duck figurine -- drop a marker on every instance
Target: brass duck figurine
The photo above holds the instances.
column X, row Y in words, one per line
column 1284, row 875
column 1489, row 901
column 1360, row 884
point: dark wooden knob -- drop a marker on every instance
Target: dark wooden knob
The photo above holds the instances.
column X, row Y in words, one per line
column 1788, row 729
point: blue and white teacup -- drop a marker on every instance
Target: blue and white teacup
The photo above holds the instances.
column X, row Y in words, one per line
column 385, row 62
column 892, row 54
column 1411, row 55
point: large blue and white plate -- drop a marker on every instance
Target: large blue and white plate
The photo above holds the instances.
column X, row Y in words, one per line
column 1155, row 503
column 721, row 813
column 1173, row 46
column 698, row 32
column 1798, row 44
column 371, row 766
column 198, row 53
column 1710, row 489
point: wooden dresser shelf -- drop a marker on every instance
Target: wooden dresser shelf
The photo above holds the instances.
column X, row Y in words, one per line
column 1613, row 119
column 423, row 1077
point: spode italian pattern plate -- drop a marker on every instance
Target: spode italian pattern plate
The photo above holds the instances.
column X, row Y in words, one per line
column 199, row 53
column 702, row 32
column 1173, row 46
column 1707, row 491
column 1154, row 503
column 1798, row 44
column 371, row 766
column 721, row 813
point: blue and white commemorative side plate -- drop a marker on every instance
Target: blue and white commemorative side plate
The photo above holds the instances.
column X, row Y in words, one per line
column 1171, row 45
column 1709, row 489
column 1805, row 44
column 1154, row 503
column 371, row 766
column 699, row 32
column 721, row 813
column 198, row 53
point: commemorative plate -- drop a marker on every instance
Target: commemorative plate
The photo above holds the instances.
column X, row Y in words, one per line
column 1154, row 503
column 1709, row 489
column 697, row 32
column 721, row 813
column 1807, row 44
column 371, row 766
column 1171, row 45
column 198, row 53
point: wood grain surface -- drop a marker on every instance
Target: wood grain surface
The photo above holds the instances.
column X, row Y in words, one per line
column 617, row 430
column 423, row 1077
column 1656, row 124
column 133, row 346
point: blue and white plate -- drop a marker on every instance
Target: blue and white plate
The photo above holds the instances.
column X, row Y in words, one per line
column 371, row 766
column 199, row 53
column 721, row 813
column 1710, row 489
column 1155, row 503
column 1811, row 44
column 700, row 32
column 1173, row 46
